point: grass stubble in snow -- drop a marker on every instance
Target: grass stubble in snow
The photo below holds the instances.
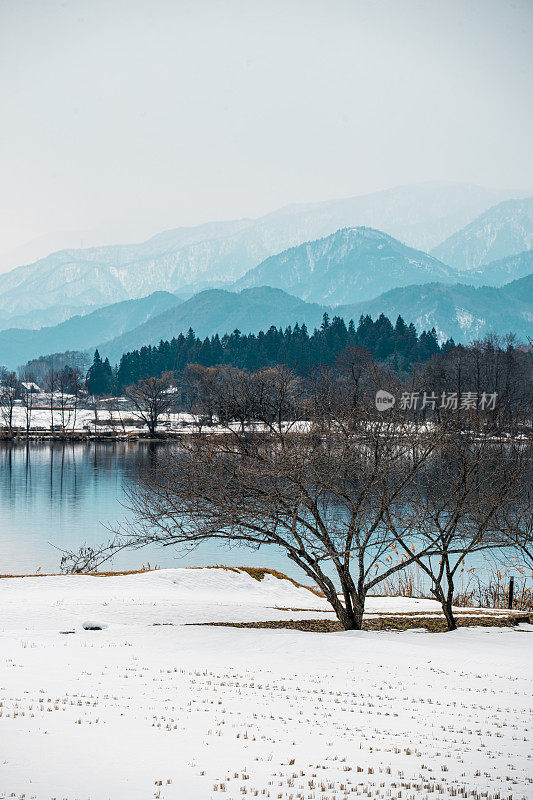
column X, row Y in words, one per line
column 152, row 707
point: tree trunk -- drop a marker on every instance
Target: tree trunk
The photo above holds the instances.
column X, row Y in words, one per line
column 351, row 621
column 446, row 604
column 448, row 614
column 351, row 616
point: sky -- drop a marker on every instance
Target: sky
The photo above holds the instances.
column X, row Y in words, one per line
column 120, row 118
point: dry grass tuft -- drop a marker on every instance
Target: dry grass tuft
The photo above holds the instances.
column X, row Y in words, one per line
column 395, row 622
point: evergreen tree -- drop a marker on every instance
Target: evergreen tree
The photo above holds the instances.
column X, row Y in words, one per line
column 400, row 327
column 99, row 378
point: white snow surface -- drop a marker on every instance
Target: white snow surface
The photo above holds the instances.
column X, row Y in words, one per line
column 112, row 421
column 84, row 418
column 151, row 707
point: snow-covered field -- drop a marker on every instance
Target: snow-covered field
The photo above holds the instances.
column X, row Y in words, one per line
column 83, row 418
column 119, row 422
column 148, row 707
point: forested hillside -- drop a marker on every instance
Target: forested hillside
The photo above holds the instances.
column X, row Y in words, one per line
column 294, row 346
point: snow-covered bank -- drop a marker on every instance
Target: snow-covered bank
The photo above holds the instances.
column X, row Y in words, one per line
column 105, row 421
column 110, row 713
column 120, row 424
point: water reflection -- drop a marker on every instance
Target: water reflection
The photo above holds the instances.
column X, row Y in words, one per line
column 63, row 495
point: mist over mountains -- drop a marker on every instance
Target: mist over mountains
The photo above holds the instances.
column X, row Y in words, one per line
column 502, row 231
column 82, row 332
column 496, row 273
column 351, row 264
column 454, row 310
column 419, row 216
column 350, row 257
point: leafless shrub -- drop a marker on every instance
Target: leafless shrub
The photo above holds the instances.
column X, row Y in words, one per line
column 150, row 399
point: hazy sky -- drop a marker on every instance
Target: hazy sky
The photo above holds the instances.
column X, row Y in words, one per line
column 123, row 117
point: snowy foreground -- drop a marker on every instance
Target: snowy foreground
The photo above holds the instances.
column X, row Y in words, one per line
column 150, row 708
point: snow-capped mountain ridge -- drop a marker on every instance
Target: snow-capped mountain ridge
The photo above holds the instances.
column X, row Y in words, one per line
column 352, row 264
column 500, row 232
column 214, row 253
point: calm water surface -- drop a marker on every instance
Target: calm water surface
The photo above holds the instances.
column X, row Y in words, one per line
column 67, row 495
column 64, row 495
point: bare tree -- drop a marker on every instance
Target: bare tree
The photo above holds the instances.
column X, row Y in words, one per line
column 93, row 404
column 28, row 397
column 50, row 383
column 112, row 407
column 151, row 398
column 75, row 385
column 9, row 388
column 492, row 366
column 272, row 397
column 67, row 384
column 233, row 396
column 460, row 504
column 319, row 493
column 515, row 519
column 351, row 494
column 66, row 407
column 197, row 384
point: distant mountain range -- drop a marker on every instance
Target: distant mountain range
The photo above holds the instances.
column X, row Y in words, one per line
column 350, row 265
column 191, row 258
column 286, row 267
column 38, row 318
column 504, row 230
column 219, row 311
column 347, row 265
column 17, row 346
column 496, row 273
column 462, row 312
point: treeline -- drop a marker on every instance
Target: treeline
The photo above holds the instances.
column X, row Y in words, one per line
column 487, row 384
column 295, row 347
column 39, row 369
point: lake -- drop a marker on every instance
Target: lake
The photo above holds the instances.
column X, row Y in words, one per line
column 59, row 496
column 64, row 495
